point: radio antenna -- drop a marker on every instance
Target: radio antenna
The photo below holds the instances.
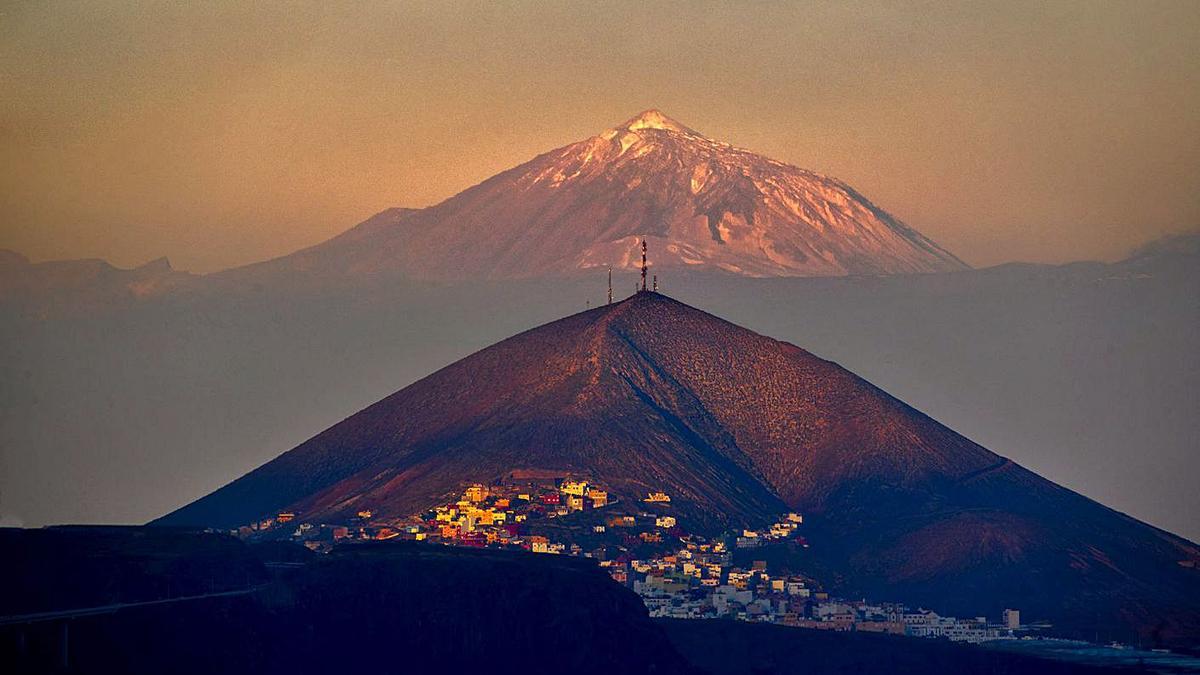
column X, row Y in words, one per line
column 643, row 264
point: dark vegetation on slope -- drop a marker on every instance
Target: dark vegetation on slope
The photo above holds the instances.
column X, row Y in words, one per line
column 69, row 567
column 383, row 608
column 395, row 608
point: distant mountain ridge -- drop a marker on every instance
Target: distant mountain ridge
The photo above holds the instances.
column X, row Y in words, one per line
column 86, row 286
column 702, row 204
column 650, row 394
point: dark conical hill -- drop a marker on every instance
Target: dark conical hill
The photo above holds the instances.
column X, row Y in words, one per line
column 650, row 394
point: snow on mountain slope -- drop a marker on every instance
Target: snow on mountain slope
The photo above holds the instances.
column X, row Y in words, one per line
column 701, row 204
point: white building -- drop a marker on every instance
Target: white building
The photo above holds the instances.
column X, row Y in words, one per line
column 1012, row 619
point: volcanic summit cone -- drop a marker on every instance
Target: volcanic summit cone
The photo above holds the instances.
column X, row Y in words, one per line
column 649, row 394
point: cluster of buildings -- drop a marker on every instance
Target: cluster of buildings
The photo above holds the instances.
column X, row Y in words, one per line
column 642, row 546
column 699, row 581
column 507, row 514
column 500, row 514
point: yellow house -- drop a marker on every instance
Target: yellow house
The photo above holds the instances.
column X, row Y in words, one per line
column 482, row 516
column 577, row 488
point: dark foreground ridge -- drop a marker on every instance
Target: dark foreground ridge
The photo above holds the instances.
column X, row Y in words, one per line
column 650, row 394
column 740, row 648
column 388, row 607
column 392, row 607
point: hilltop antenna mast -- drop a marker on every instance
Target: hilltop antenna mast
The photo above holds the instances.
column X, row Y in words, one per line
column 610, row 285
column 643, row 264
column 655, row 283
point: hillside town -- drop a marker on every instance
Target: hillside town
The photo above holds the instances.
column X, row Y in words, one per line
column 642, row 546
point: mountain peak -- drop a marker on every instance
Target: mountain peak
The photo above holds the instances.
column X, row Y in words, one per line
column 160, row 264
column 653, row 395
column 703, row 204
column 653, row 118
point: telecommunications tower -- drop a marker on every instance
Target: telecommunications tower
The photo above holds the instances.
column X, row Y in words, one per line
column 643, row 264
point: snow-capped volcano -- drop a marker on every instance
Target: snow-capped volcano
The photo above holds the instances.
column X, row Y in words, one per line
column 700, row 203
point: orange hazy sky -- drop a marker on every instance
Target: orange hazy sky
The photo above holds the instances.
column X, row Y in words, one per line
column 223, row 133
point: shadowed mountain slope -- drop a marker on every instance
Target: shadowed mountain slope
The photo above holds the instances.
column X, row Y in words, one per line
column 651, row 394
